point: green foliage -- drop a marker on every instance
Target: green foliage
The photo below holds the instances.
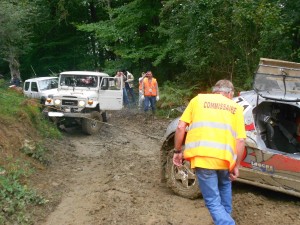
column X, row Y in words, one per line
column 200, row 40
column 37, row 152
column 225, row 39
column 44, row 126
column 128, row 35
column 15, row 108
column 172, row 95
column 16, row 197
column 10, row 101
column 16, row 19
column 2, row 83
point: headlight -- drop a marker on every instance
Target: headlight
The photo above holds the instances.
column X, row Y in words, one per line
column 81, row 103
column 90, row 102
column 49, row 100
column 57, row 101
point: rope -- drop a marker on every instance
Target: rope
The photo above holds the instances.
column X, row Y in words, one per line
column 133, row 131
column 112, row 125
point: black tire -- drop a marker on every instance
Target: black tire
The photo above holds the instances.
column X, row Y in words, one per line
column 182, row 181
column 104, row 117
column 93, row 124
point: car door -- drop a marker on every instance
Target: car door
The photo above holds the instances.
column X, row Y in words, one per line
column 34, row 90
column 270, row 168
column 111, row 93
column 26, row 89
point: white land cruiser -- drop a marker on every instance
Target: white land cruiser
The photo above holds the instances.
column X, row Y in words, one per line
column 40, row 87
column 83, row 98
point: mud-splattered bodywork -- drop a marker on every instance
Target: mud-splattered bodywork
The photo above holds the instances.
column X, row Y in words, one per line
column 272, row 122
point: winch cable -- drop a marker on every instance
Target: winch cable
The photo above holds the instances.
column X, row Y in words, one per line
column 118, row 127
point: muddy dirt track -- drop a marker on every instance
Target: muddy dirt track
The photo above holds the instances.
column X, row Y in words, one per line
column 114, row 178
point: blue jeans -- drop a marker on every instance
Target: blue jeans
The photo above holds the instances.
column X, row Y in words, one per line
column 131, row 92
column 149, row 100
column 217, row 194
column 125, row 97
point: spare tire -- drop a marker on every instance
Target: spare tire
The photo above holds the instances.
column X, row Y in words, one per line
column 93, row 124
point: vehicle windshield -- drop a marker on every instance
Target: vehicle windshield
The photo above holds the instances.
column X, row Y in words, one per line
column 277, row 85
column 48, row 84
column 79, row 80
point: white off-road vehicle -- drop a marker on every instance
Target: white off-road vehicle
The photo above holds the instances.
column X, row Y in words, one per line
column 40, row 87
column 83, row 98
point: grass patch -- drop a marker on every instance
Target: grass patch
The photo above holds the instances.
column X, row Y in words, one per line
column 15, row 197
column 21, row 120
column 36, row 151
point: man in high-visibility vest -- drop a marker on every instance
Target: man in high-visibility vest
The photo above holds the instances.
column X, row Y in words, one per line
column 214, row 145
column 150, row 92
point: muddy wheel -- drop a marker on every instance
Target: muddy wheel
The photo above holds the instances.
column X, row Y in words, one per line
column 93, row 124
column 104, row 117
column 182, row 181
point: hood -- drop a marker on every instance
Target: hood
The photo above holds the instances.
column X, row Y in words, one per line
column 77, row 93
column 46, row 93
column 278, row 80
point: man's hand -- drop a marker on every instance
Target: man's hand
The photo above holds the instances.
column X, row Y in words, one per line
column 157, row 98
column 177, row 159
column 142, row 97
column 234, row 173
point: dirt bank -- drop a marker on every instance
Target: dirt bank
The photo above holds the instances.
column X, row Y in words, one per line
column 114, row 178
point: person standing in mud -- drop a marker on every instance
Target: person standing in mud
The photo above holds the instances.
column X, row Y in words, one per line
column 140, row 103
column 150, row 92
column 129, row 85
column 214, row 145
column 121, row 79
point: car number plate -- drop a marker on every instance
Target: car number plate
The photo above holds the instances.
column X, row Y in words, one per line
column 55, row 114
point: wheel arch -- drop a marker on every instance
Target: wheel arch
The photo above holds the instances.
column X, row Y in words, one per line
column 167, row 145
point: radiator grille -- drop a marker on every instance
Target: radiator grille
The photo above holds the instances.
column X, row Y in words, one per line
column 70, row 102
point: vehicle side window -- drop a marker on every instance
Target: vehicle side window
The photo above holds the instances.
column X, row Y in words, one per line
column 34, row 87
column 26, row 86
column 104, row 84
column 115, row 83
column 110, row 83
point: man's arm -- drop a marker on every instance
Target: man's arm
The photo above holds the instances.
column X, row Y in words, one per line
column 143, row 86
column 179, row 136
column 130, row 77
column 240, row 147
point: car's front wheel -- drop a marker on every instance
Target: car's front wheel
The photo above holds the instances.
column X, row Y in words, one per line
column 182, row 180
column 93, row 124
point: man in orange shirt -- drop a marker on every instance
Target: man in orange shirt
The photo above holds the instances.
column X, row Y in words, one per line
column 214, row 145
column 150, row 92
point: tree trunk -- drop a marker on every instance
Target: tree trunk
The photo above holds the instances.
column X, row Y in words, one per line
column 14, row 67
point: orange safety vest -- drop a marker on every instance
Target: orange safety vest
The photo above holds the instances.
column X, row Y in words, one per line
column 150, row 88
column 213, row 131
